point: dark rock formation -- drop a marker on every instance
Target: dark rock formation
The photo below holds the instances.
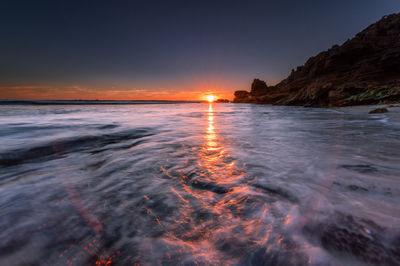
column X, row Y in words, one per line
column 242, row 97
column 222, row 101
column 363, row 70
column 378, row 111
column 259, row 87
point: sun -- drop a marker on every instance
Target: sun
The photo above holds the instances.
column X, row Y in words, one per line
column 210, row 98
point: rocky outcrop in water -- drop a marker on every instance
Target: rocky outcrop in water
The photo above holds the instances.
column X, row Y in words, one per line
column 378, row 111
column 222, row 101
column 363, row 70
column 242, row 97
column 259, row 87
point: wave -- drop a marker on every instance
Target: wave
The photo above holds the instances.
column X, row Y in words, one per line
column 358, row 237
column 60, row 147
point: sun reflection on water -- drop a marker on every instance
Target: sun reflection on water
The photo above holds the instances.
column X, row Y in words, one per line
column 222, row 218
column 213, row 157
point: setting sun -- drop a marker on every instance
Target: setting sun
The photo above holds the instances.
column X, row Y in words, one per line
column 210, row 98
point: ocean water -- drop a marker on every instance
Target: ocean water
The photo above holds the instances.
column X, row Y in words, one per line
column 198, row 184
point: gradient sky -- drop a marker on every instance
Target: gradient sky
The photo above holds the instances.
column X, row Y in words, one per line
column 175, row 50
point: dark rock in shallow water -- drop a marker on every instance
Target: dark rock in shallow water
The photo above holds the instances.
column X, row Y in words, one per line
column 363, row 70
column 378, row 111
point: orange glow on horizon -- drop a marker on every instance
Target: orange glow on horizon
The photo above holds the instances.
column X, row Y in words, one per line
column 179, row 91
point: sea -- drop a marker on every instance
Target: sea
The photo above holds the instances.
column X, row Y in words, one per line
column 176, row 183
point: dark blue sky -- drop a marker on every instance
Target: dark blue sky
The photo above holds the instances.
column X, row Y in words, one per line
column 162, row 49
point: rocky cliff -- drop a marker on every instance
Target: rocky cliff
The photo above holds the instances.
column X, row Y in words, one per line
column 363, row 70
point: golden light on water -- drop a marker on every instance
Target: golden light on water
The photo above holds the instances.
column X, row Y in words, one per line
column 210, row 98
column 216, row 206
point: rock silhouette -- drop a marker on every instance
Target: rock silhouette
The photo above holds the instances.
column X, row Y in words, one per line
column 378, row 111
column 222, row 101
column 363, row 70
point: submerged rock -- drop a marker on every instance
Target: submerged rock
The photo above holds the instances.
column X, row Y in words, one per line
column 378, row 111
column 363, row 70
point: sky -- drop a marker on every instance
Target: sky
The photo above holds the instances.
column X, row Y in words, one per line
column 166, row 50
